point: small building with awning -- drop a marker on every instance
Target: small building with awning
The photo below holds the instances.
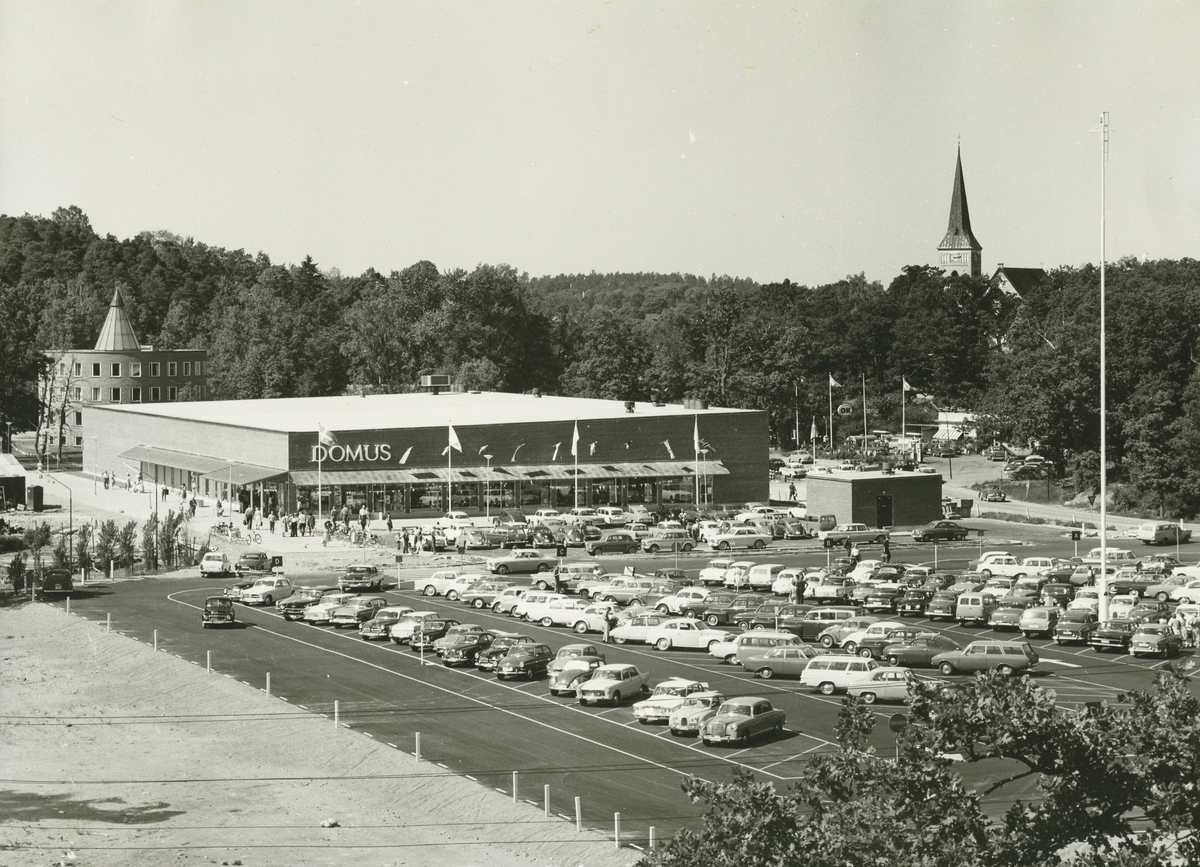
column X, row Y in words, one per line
column 423, row 454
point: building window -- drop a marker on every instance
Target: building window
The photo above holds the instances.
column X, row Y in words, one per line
column 116, row 368
column 96, row 395
column 77, row 368
column 95, row 368
column 135, row 368
column 62, row 369
column 78, row 418
column 154, row 398
column 116, row 395
column 172, row 393
column 171, row 368
column 77, row 393
column 78, row 441
column 187, row 368
column 154, row 368
column 135, row 395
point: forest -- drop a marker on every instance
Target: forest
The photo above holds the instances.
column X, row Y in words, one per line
column 1028, row 367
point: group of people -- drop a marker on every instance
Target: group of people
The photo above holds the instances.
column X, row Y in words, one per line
column 1187, row 628
column 410, row 540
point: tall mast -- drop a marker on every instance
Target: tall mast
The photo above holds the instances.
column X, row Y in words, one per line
column 1102, row 583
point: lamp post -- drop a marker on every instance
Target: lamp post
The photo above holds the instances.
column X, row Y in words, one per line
column 95, row 462
column 487, row 489
column 70, row 518
column 704, row 483
column 9, row 440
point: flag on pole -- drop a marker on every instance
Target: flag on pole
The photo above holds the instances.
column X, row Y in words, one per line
column 404, row 457
column 325, row 437
column 557, row 445
column 907, row 387
column 833, row 383
column 592, row 449
column 454, row 443
column 670, row 450
column 483, row 448
column 813, row 433
column 696, row 435
column 575, row 441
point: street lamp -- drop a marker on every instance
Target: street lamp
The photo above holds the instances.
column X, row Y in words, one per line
column 95, row 463
column 487, row 489
column 70, row 517
column 704, row 484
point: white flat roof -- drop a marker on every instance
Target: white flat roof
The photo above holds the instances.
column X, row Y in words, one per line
column 415, row 410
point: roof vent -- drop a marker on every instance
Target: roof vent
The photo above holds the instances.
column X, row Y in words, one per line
column 435, row 382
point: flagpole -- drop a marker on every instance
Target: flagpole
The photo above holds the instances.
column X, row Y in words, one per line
column 903, row 408
column 696, row 446
column 320, row 454
column 864, row 382
column 449, row 471
column 576, row 450
column 829, row 430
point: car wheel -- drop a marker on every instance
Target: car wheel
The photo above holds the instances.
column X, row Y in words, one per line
column 496, row 607
column 759, row 544
column 865, row 653
column 542, row 584
column 868, row 698
column 502, row 569
column 653, row 549
column 778, row 728
column 543, row 567
column 632, row 549
column 529, row 674
column 554, row 692
column 986, row 573
column 687, row 548
column 616, row 699
column 765, row 673
column 743, row 624
column 712, row 620
column 946, row 669
column 477, row 603
column 662, row 608
column 893, row 661
column 636, row 602
column 731, row 659
column 1006, row 670
column 706, row 742
column 758, row 627
column 850, row 647
column 451, row 596
column 546, row 621
column 723, row 546
column 581, row 627
column 663, row 644
column 827, row 641
column 961, row 537
column 203, row 624
column 1161, row 596
column 826, row 688
column 429, row 590
column 880, row 539
column 583, row 701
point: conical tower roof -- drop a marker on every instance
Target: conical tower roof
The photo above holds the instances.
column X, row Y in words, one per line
column 958, row 233
column 117, row 335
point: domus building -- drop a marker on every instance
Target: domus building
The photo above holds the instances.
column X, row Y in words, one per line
column 421, row 454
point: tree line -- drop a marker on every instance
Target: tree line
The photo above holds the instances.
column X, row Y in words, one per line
column 1028, row 366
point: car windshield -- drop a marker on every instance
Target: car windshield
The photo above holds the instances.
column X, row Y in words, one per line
column 1152, row 629
column 607, row 674
column 662, row 689
column 732, row 709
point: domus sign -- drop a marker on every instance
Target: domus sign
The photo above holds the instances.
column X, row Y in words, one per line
column 360, row 453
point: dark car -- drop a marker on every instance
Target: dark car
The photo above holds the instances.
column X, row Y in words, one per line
column 577, row 536
column 1149, row 611
column 883, row 600
column 1155, row 639
column 218, row 611
column 1007, row 615
column 614, row 542
column 1111, row 635
column 1058, row 593
column 914, row 602
column 485, row 660
column 919, row 650
column 525, row 660
column 430, row 631
column 252, row 561
column 360, row 577
column 294, row 606
column 942, row 605
column 465, row 649
column 57, row 582
column 872, row 646
column 941, row 531
column 775, row 616
column 1132, row 583
column 677, row 576
column 1075, row 626
column 724, row 609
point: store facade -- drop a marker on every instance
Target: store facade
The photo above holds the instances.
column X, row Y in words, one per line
column 393, row 454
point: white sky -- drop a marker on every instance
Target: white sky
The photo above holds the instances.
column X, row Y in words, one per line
column 807, row 141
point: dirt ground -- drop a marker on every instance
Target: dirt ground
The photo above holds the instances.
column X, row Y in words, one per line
column 112, row 754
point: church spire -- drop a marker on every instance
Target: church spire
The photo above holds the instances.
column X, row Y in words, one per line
column 959, row 249
column 116, row 335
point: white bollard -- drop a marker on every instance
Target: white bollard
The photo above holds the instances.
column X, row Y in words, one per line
column 514, row 787
column 578, row 815
column 208, row 662
column 68, row 604
column 547, row 799
column 156, row 640
column 336, row 712
column 617, row 830
column 268, row 683
column 651, row 838
column 418, row 753
column 108, row 622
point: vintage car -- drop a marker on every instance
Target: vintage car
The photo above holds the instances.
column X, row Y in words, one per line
column 914, row 601
column 614, row 683
column 524, row 660
column 520, row 560
column 872, row 642
column 853, row 533
column 403, row 629
column 1039, row 620
column 360, row 576
column 568, row 679
column 786, row 660
column 379, row 626
column 592, row 618
column 942, row 605
column 637, row 627
column 614, row 542
column 1075, row 626
column 1163, row 533
column 668, row 540
column 568, row 652
column 685, row 632
column 739, row 537
column 356, row 611
column 834, row 634
column 697, row 709
column 267, row 591
column 753, row 643
column 482, row 594
column 218, row 611
column 294, row 606
column 424, row 639
column 464, row 649
column 1007, row 615
column 714, row 572
column 665, row 699
column 1150, row 611
column 884, row 684
column 319, row 613
column 739, row 720
column 1154, row 639
column 919, row 650
column 215, row 563
column 941, row 531
column 1006, row 657
column 454, row 632
column 438, row 583
column 508, row 599
column 486, row 660
column 252, row 561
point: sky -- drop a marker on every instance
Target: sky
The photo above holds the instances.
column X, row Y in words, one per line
column 807, row 141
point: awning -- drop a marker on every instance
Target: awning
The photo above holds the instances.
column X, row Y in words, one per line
column 509, row 473
column 948, row 433
column 219, row 469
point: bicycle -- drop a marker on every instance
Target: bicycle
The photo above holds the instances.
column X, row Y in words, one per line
column 363, row 538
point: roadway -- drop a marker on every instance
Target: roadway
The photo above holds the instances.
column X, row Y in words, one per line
column 485, row 729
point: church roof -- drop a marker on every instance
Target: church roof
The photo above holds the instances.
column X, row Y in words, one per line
column 1019, row 280
column 958, row 233
column 116, row 335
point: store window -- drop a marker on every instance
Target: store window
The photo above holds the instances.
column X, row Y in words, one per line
column 681, row 489
column 606, row 493
column 537, row 493
column 643, row 491
column 429, row 497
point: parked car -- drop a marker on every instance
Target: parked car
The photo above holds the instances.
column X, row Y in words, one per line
column 739, row 537
column 1163, row 533
column 482, row 594
column 739, row 720
column 941, row 531
column 1008, row 613
column 1075, row 626
column 942, row 605
column 521, row 560
column 614, row 683
column 486, row 660
column 294, row 606
column 360, row 576
column 425, row 639
column 637, row 627
column 855, row 533
column 919, row 650
column 666, row 697
column 508, row 599
column 750, row 643
column 568, row 652
column 524, row 660
column 885, row 684
column 613, row 542
column 697, row 708
column 883, row 599
column 828, row 674
column 872, row 642
column 356, row 611
column 683, row 632
column 252, row 561
column 535, row 606
column 914, row 601
column 1006, row 657
column 267, row 591
column 668, row 540
column 403, row 629
column 217, row 611
column 215, row 563
column 436, row 584
column 379, row 626
column 568, row 679
column 1150, row 611
column 785, row 660
column 453, row 632
column 836, row 633
column 714, row 572
column 464, row 649
column 1154, row 639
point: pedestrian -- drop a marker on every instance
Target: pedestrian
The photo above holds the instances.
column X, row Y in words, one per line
column 166, row 491
column 887, row 550
column 801, row 589
column 192, row 507
column 795, row 594
column 346, row 517
column 558, row 582
column 854, row 554
column 363, row 516
column 312, row 522
column 849, row 546
column 128, row 482
column 271, row 521
column 1195, row 630
column 105, row 477
column 792, row 491
column 610, row 623
column 389, row 522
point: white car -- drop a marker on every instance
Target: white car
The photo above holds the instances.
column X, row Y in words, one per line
column 438, row 583
column 879, row 629
column 508, row 599
column 591, row 618
column 215, row 563
column 1087, row 598
column 1112, row 557
column 267, row 591
column 1188, row 593
column 756, row 641
column 614, row 683
column 583, row 515
column 758, row 512
column 685, row 632
column 714, row 572
column 800, row 510
column 887, row 684
column 856, row 533
column 546, row 514
column 463, row 583
column 864, row 570
column 452, row 522
column 321, row 612
column 684, row 599
column 535, row 607
column 697, row 709
column 402, row 630
column 665, row 699
column 1120, row 606
column 782, row 585
column 739, row 537
column 566, row 612
column 737, row 575
column 612, row 515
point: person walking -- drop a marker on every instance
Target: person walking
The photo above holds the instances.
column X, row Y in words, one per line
column 363, row 517
column 312, row 523
column 854, row 554
column 849, row 547
column 105, row 477
column 558, row 582
column 801, row 589
column 610, row 623
column 792, row 491
column 887, row 550
column 271, row 521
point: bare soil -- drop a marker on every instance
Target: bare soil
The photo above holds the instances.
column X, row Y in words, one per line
column 113, row 754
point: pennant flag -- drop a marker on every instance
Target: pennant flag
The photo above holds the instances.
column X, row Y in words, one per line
column 517, row 449
column 325, row 437
column 670, row 450
column 696, row 435
column 813, row 433
column 575, row 441
column 592, row 449
column 906, row 386
column 483, row 448
column 556, row 447
column 833, row 383
column 404, row 457
column 454, row 443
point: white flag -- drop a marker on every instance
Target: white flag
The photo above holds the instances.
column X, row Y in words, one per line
column 556, row 447
column 592, row 449
column 906, row 386
column 696, row 435
column 404, row 457
column 483, row 448
column 670, row 450
column 325, row 437
column 575, row 441
column 813, row 434
column 454, row 443
column 833, row 383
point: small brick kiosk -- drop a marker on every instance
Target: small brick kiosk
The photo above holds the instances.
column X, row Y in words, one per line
column 877, row 499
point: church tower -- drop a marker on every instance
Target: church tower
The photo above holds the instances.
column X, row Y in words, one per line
column 959, row 250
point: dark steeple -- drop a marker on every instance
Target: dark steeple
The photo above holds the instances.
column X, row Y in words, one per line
column 959, row 247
